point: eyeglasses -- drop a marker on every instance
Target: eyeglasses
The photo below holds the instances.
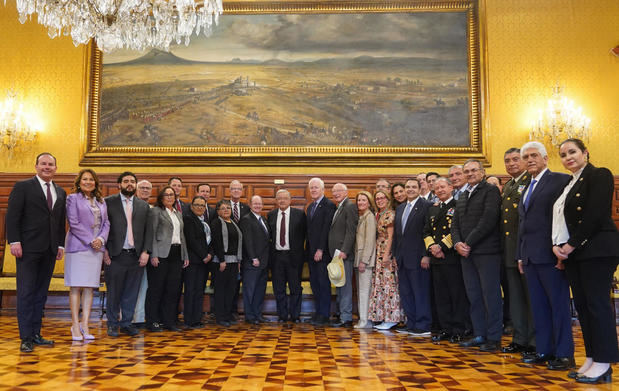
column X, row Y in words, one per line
column 169, row 195
column 224, row 207
column 199, row 205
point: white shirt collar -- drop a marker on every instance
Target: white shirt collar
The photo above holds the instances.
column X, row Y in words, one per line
column 42, row 182
column 539, row 176
column 413, row 202
column 448, row 201
column 287, row 211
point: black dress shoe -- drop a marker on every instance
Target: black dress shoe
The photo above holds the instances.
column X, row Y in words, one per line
column 224, row 323
column 262, row 319
column 473, row 342
column 573, row 374
column 112, row 331
column 154, row 327
column 513, row 348
column 129, row 330
column 173, row 328
column 442, row 336
column 320, row 321
column 490, row 346
column 537, row 359
column 252, row 321
column 348, row 323
column 456, row 338
column 295, row 320
column 26, row 346
column 561, row 364
column 605, row 377
column 529, row 351
column 38, row 340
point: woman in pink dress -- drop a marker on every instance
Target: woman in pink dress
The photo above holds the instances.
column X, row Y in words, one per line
column 84, row 247
column 385, row 299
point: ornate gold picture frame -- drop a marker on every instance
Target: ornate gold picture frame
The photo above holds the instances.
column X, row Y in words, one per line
column 320, row 83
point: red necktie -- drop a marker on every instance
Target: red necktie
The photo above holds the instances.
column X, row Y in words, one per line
column 178, row 206
column 282, row 231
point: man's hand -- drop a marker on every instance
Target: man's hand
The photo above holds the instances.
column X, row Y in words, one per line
column 318, row 255
column 463, row 249
column 435, row 249
column 185, row 263
column 107, row 259
column 143, row 260
column 361, row 267
column 425, row 262
column 16, row 250
column 222, row 266
column 343, row 255
column 520, row 266
column 60, row 254
column 255, row 262
column 207, row 259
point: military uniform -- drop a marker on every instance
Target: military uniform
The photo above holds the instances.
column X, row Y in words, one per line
column 519, row 303
column 449, row 292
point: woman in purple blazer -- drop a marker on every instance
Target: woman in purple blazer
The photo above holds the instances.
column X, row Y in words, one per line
column 84, row 246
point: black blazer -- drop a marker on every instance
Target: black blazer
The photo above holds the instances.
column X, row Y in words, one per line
column 588, row 211
column 195, row 238
column 256, row 241
column 535, row 228
column 343, row 230
column 118, row 225
column 29, row 220
column 437, row 230
column 318, row 226
column 476, row 221
column 296, row 233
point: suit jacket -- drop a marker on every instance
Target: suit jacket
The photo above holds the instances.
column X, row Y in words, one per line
column 343, row 230
column 142, row 232
column 535, row 228
column 365, row 241
column 509, row 217
column 81, row 220
column 29, row 220
column 437, row 230
column 195, row 238
column 256, row 240
column 162, row 228
column 476, row 221
column 296, row 233
column 408, row 245
column 588, row 215
column 318, row 226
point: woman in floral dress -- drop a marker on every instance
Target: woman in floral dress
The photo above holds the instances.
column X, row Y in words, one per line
column 385, row 298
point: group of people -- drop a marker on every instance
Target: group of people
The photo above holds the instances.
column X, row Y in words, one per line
column 428, row 253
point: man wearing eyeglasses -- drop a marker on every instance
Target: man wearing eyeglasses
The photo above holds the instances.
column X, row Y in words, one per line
column 476, row 234
column 198, row 238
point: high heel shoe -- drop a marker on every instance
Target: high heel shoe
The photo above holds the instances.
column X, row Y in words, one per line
column 605, row 377
column 75, row 337
column 89, row 337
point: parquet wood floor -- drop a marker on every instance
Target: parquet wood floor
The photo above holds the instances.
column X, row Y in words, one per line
column 267, row 357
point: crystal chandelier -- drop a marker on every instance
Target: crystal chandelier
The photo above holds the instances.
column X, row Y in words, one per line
column 561, row 120
column 129, row 24
column 18, row 130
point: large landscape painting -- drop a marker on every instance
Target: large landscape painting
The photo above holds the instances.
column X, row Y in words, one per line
column 374, row 79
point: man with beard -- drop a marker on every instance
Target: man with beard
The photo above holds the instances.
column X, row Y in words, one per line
column 125, row 255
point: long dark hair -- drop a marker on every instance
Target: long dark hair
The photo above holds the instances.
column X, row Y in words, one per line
column 394, row 202
column 96, row 193
column 159, row 201
column 580, row 145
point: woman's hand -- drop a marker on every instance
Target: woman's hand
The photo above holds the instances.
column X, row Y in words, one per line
column 222, row 266
column 96, row 244
column 154, row 261
column 559, row 253
column 361, row 267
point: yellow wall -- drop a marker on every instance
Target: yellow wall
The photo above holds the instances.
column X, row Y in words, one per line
column 532, row 44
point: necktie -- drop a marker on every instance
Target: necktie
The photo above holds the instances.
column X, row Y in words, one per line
column 128, row 213
column 313, row 209
column 282, row 231
column 206, row 217
column 442, row 205
column 235, row 212
column 50, row 201
column 207, row 231
column 407, row 211
column 531, row 189
column 178, row 206
column 263, row 225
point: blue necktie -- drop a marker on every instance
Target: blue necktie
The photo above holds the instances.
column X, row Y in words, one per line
column 407, row 211
column 531, row 189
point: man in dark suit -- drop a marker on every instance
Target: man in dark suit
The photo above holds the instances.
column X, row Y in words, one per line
column 408, row 250
column 548, row 286
column 342, row 237
column 475, row 232
column 256, row 259
column 520, row 306
column 239, row 209
column 35, row 231
column 176, row 184
column 319, row 215
column 126, row 254
column 447, row 282
column 198, row 238
column 288, row 229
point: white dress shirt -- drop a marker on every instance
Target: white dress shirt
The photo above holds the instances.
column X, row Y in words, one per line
column 560, row 234
column 52, row 189
column 176, row 232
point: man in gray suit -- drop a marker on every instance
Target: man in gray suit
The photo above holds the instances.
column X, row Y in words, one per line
column 126, row 253
column 342, row 237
